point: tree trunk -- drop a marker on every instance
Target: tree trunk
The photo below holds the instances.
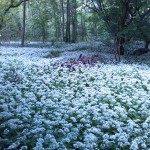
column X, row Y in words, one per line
column 83, row 29
column 147, row 44
column 63, row 20
column 23, row 25
column 74, row 30
column 117, row 49
column 118, row 42
column 68, row 22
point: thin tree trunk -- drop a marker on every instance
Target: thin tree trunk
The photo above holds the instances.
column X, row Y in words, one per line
column 74, row 30
column 117, row 49
column 68, row 22
column 63, row 20
column 82, row 29
column 23, row 25
column 147, row 44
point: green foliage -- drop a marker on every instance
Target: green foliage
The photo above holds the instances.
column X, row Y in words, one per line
column 52, row 54
column 55, row 53
column 106, row 19
column 106, row 38
column 128, row 19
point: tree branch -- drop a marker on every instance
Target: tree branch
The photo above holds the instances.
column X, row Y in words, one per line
column 13, row 6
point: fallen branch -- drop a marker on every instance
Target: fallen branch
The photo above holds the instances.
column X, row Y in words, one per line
column 82, row 60
column 141, row 51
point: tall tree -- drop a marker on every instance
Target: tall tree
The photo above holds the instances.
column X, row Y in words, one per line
column 23, row 24
column 68, row 39
column 63, row 20
column 74, row 22
column 119, row 16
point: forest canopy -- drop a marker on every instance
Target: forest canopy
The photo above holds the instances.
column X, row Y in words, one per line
column 74, row 20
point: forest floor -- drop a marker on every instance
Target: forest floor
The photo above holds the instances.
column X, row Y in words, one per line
column 48, row 106
column 62, row 52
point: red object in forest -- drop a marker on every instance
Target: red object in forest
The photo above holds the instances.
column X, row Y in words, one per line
column 81, row 60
